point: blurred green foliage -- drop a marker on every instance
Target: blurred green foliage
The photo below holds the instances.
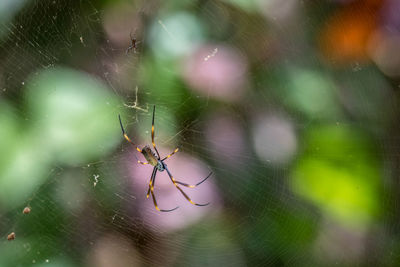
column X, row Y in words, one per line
column 71, row 120
column 340, row 172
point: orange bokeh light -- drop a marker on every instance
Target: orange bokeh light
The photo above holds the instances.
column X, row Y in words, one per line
column 345, row 37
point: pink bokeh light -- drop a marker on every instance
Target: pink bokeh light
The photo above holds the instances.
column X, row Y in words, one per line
column 274, row 138
column 226, row 136
column 216, row 71
column 184, row 168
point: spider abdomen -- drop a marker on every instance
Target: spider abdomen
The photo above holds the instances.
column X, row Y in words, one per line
column 150, row 156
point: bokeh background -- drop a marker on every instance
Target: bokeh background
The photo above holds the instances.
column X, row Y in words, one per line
column 292, row 105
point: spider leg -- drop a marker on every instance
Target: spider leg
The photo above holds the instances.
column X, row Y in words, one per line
column 167, row 157
column 152, row 132
column 126, row 136
column 193, row 186
column 183, row 193
column 152, row 182
column 140, row 162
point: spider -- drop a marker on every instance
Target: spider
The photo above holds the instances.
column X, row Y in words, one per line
column 133, row 46
column 154, row 159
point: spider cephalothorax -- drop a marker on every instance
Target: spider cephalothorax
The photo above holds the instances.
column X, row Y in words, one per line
column 154, row 159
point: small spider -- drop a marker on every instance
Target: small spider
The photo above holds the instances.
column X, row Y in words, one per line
column 133, row 45
column 159, row 165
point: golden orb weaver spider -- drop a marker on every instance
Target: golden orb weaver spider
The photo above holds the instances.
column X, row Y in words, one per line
column 159, row 165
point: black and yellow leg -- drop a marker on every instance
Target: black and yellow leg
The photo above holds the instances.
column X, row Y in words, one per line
column 167, row 157
column 151, row 185
column 151, row 182
column 193, row 186
column 126, row 136
column 152, row 132
column 183, row 193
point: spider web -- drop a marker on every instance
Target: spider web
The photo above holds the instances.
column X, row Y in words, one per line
column 65, row 77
